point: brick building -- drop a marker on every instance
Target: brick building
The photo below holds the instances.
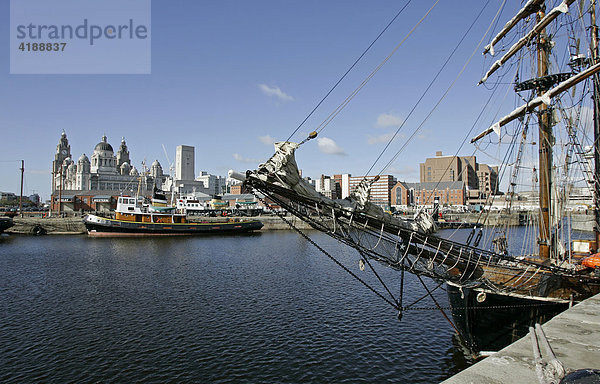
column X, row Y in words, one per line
column 450, row 168
column 417, row 194
column 480, row 180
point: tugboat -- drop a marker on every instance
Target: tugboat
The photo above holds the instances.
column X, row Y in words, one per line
column 132, row 218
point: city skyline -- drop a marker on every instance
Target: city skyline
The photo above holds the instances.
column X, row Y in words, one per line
column 231, row 78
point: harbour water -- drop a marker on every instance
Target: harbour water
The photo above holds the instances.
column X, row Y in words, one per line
column 267, row 307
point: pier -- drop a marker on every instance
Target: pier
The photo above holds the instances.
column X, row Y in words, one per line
column 574, row 336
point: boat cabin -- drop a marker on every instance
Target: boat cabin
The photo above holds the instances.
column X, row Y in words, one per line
column 130, row 209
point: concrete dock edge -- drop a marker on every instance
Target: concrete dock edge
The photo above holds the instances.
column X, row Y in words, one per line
column 574, row 336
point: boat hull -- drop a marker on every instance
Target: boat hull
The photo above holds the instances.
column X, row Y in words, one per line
column 5, row 223
column 99, row 226
column 489, row 321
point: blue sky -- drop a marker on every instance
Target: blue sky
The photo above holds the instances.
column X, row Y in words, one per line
column 228, row 77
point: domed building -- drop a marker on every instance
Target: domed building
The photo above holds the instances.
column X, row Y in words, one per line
column 156, row 170
column 93, row 184
column 125, row 168
column 103, row 160
column 83, row 173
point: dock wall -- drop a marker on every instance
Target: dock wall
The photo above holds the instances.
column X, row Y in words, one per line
column 74, row 224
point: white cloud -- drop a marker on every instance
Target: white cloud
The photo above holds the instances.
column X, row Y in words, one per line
column 267, row 139
column 243, row 159
column 275, row 92
column 380, row 139
column 405, row 171
column 328, row 146
column 389, row 120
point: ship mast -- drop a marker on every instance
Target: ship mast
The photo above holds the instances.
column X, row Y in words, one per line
column 546, row 89
column 545, row 145
column 596, row 146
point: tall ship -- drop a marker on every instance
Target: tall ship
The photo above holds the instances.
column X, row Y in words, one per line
column 494, row 286
column 134, row 218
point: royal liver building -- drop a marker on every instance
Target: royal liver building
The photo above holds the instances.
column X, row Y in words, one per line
column 82, row 183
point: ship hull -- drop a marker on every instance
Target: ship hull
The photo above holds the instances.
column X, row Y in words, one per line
column 98, row 226
column 489, row 321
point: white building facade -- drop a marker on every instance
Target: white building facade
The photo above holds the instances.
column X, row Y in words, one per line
column 104, row 172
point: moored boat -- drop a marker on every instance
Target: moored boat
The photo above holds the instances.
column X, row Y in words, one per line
column 134, row 219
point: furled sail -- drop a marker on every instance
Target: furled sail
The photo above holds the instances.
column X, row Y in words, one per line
column 527, row 10
column 539, row 27
column 281, row 170
column 543, row 99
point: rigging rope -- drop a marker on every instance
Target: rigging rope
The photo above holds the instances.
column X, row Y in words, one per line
column 331, row 116
column 348, row 71
column 438, row 305
column 307, row 238
column 427, row 90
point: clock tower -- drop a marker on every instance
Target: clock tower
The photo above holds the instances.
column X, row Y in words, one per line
column 63, row 151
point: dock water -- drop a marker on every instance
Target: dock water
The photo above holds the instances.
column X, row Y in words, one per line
column 575, row 339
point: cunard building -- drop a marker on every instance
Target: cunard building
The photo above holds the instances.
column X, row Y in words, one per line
column 93, row 184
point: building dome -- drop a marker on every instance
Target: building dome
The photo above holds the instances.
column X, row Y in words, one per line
column 83, row 164
column 125, row 169
column 156, row 170
column 133, row 172
column 103, row 145
column 83, row 159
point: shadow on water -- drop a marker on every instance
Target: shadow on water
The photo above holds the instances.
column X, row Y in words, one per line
column 458, row 357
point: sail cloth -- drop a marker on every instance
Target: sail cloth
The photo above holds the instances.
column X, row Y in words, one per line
column 282, row 170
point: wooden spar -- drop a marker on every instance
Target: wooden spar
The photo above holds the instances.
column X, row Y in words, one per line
column 527, row 10
column 545, row 147
column 543, row 99
column 596, row 146
column 537, row 29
